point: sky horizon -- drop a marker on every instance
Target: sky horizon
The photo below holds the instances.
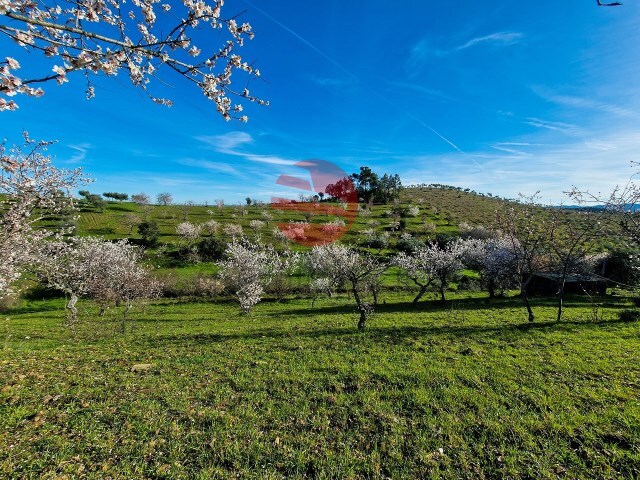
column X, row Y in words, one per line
column 500, row 98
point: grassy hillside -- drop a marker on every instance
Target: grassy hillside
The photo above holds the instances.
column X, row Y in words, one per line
column 440, row 211
column 458, row 206
column 466, row 391
column 446, row 209
column 114, row 220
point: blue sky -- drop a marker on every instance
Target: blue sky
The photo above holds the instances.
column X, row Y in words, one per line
column 501, row 97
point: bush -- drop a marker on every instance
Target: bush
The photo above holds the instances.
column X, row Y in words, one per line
column 150, row 232
column 377, row 241
column 8, row 302
column 620, row 266
column 211, row 249
column 175, row 286
column 629, row 315
column 41, row 292
column 409, row 245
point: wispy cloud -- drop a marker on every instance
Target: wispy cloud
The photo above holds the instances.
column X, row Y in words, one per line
column 497, row 39
column 227, row 143
column 514, row 148
column 417, row 56
column 423, row 49
column 330, row 81
column 585, row 103
column 424, row 91
column 567, row 128
column 525, row 167
column 219, row 167
column 232, row 143
column 80, row 153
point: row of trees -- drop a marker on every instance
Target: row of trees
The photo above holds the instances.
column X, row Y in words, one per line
column 501, row 261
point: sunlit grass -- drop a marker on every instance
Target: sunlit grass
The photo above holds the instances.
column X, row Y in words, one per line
column 462, row 390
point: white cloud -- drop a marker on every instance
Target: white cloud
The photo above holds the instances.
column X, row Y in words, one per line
column 498, row 39
column 209, row 165
column 231, row 143
column 80, row 153
column 583, row 103
column 597, row 164
column 227, row 143
column 417, row 56
column 566, row 128
column 330, row 81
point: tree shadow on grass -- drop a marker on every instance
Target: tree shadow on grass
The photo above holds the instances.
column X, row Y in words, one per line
column 435, row 305
column 389, row 334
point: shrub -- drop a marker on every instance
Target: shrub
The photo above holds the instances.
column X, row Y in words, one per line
column 149, row 232
column 211, row 249
column 409, row 244
column 629, row 315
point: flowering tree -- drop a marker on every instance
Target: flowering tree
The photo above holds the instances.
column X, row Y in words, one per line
column 30, row 188
column 430, row 264
column 526, row 229
column 141, row 198
column 210, row 227
column 143, row 39
column 256, row 226
column 164, row 198
column 107, row 272
column 343, row 265
column 188, row 232
column 494, row 261
column 233, row 230
column 249, row 268
column 571, row 247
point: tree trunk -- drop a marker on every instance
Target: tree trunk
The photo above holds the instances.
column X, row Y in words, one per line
column 492, row 288
column 442, row 297
column 363, row 320
column 124, row 316
column 73, row 316
column 560, row 299
column 423, row 290
column 525, row 297
column 361, row 308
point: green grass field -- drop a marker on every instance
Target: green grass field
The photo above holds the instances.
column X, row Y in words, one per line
column 464, row 390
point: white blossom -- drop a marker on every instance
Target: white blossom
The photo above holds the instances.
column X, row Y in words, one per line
column 340, row 265
column 249, row 268
column 108, row 272
column 30, row 188
column 141, row 37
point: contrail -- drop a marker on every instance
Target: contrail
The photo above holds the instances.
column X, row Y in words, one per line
column 379, row 95
column 302, row 39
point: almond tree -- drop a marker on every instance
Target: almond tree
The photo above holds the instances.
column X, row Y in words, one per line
column 108, row 272
column 432, row 265
column 526, row 229
column 571, row 244
column 164, row 198
column 30, row 189
column 143, row 39
column 344, row 265
column 494, row 261
column 249, row 268
column 141, row 198
column 189, row 232
column 622, row 205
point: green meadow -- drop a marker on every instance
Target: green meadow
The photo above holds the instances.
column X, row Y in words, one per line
column 468, row 389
